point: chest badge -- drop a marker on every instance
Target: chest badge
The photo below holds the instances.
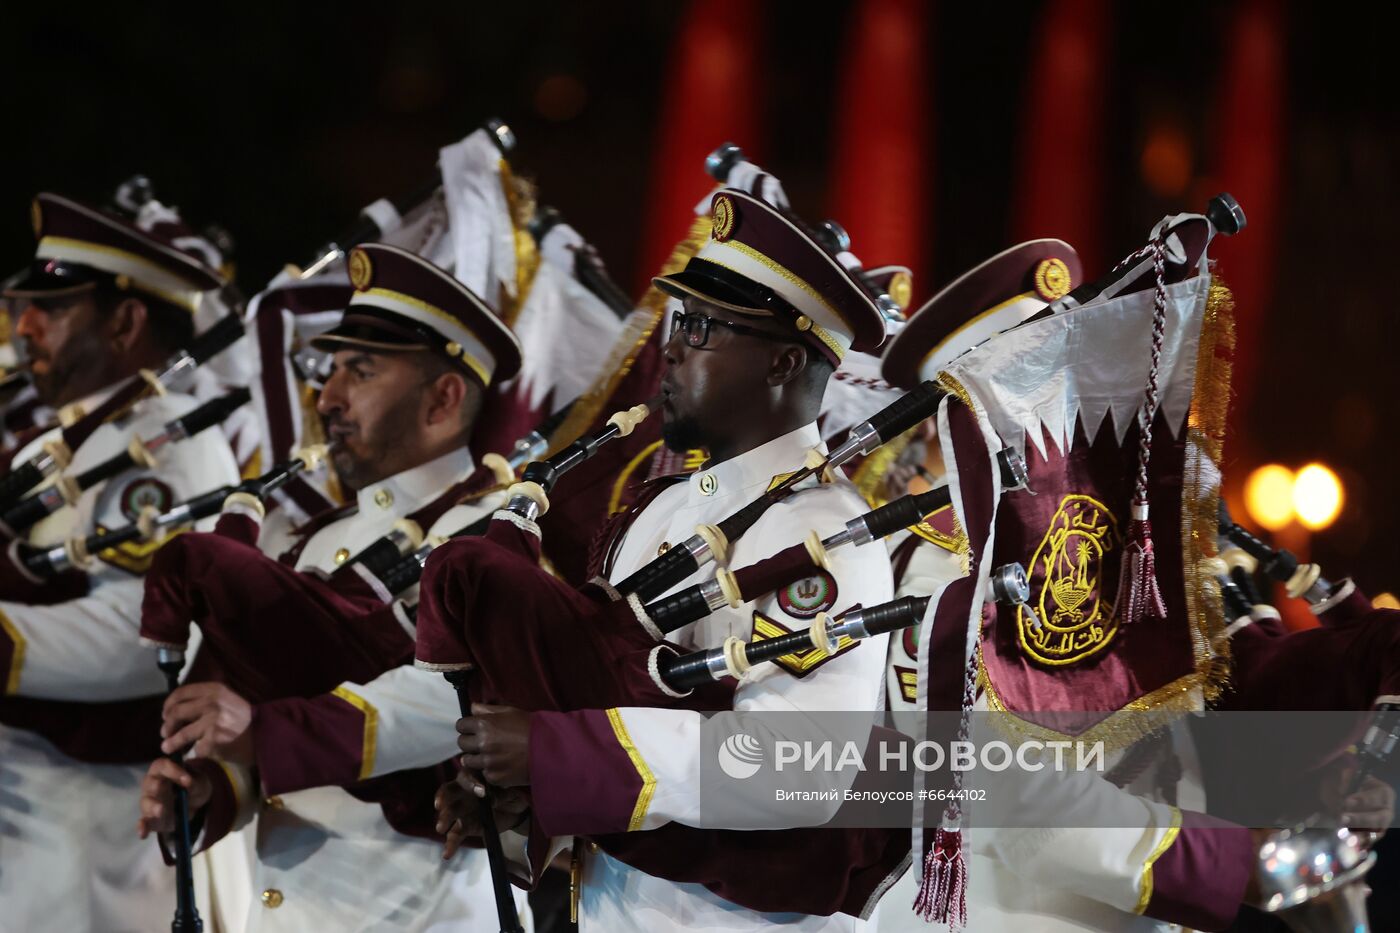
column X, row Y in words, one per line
column 143, row 492
column 805, row 598
column 708, row 484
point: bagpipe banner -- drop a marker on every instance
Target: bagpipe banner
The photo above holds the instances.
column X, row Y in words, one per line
column 1067, row 392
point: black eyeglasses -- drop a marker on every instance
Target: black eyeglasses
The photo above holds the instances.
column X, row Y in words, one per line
column 696, row 329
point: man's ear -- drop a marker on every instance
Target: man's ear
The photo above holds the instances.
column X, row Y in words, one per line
column 127, row 325
column 446, row 396
column 787, row 363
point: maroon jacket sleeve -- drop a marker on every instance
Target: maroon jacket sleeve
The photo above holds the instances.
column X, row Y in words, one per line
column 1199, row 881
column 305, row 742
column 582, row 779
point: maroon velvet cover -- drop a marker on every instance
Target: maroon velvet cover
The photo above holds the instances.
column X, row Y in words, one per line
column 787, row 566
column 269, row 630
column 1342, row 666
column 532, row 640
column 1354, row 606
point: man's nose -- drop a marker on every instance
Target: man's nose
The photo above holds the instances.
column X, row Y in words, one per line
column 331, row 398
column 31, row 323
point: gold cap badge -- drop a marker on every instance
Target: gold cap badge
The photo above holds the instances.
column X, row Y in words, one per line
column 36, row 217
column 1052, row 279
column 722, row 218
column 901, row 289
column 361, row 269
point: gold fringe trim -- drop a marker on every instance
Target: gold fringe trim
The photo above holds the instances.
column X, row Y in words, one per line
column 1137, row 720
column 1152, row 712
column 1210, row 405
column 641, row 325
column 521, row 197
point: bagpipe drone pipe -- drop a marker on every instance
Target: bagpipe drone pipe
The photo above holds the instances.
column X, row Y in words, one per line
column 58, row 453
column 570, row 649
column 489, row 594
column 271, row 631
column 28, row 575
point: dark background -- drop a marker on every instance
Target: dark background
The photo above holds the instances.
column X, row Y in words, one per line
column 280, row 121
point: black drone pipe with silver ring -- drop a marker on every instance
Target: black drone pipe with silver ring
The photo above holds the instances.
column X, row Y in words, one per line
column 711, row 542
column 1008, row 585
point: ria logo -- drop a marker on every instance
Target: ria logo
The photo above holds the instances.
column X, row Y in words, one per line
column 740, row 756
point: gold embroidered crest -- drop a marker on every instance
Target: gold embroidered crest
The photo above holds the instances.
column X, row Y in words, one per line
column 722, row 217
column 1052, row 279
column 1068, row 568
column 360, row 268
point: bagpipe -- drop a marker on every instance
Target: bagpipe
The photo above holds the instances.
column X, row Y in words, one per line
column 1008, row 585
column 811, row 557
column 1330, row 602
column 487, row 605
column 139, row 453
column 58, row 453
column 501, row 629
column 1350, row 662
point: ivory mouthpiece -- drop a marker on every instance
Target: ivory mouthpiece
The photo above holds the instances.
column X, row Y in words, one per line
column 627, row 421
column 313, row 455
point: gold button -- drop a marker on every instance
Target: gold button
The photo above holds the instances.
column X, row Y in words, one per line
column 342, row 555
column 665, row 546
column 383, row 498
column 272, row 898
column 274, row 803
column 708, row 484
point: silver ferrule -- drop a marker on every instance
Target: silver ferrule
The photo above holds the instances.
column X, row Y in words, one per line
column 863, row 439
column 1379, row 742
column 44, row 463
column 177, row 369
column 716, row 664
column 176, row 516
column 714, row 594
column 174, row 431
column 1014, row 473
column 1319, row 592
column 851, row 625
column 844, row 536
column 1009, row 585
column 402, row 542
column 858, row 531
column 698, row 549
column 421, row 555
column 532, row 446
column 523, row 506
column 332, row 254
column 57, row 558
column 170, row 656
